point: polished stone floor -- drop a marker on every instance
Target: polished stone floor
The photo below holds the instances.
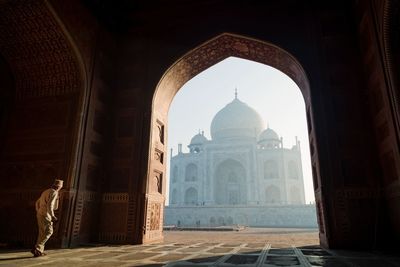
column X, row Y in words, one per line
column 209, row 249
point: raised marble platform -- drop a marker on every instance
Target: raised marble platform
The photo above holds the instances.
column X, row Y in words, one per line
column 204, row 228
column 254, row 216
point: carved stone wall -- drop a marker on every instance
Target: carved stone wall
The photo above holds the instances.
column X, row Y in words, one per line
column 341, row 143
column 41, row 133
column 352, row 163
column 31, row 41
column 93, row 173
column 114, row 216
column 377, row 24
column 123, row 173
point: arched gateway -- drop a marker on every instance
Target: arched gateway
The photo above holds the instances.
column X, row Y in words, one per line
column 80, row 100
column 191, row 64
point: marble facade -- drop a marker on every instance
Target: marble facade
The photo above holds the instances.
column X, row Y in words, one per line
column 244, row 166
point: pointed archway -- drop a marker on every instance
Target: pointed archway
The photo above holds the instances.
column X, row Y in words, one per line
column 188, row 66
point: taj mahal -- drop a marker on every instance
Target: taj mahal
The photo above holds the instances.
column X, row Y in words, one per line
column 242, row 175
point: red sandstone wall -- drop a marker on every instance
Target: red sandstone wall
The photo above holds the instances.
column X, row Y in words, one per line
column 60, row 93
column 374, row 26
column 323, row 38
column 39, row 140
column 93, row 129
column 97, row 48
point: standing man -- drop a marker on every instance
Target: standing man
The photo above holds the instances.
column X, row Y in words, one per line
column 45, row 206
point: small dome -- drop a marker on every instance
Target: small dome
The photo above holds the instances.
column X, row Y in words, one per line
column 268, row 135
column 198, row 139
column 236, row 119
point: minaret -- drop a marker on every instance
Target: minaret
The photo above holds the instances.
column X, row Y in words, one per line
column 179, row 148
column 236, row 93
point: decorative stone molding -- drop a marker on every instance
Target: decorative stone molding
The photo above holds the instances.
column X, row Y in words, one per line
column 38, row 51
column 224, row 46
column 112, row 237
column 131, row 222
column 115, row 198
column 154, row 217
column 358, row 193
column 88, row 196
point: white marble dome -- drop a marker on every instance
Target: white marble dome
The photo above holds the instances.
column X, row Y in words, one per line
column 236, row 120
column 198, row 139
column 268, row 134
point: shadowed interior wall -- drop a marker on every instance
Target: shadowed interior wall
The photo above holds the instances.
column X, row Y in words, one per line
column 7, row 95
column 85, row 76
column 323, row 39
column 39, row 141
column 379, row 35
column 45, row 136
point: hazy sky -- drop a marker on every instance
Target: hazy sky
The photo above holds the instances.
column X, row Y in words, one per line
column 273, row 94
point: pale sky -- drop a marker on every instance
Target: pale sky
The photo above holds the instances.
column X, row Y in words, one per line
column 269, row 91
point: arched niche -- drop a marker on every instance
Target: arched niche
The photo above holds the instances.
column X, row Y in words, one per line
column 191, row 172
column 191, row 196
column 230, row 183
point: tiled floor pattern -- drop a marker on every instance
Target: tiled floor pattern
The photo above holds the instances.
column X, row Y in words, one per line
column 200, row 254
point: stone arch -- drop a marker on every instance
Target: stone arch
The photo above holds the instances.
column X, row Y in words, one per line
column 271, row 170
column 217, row 49
column 191, row 172
column 208, row 54
column 230, row 183
column 295, row 195
column 293, row 172
column 191, row 196
column 272, row 195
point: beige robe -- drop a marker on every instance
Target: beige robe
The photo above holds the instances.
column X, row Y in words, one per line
column 45, row 206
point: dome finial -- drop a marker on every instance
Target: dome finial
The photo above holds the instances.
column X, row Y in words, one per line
column 235, row 92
